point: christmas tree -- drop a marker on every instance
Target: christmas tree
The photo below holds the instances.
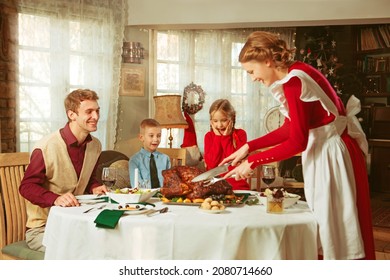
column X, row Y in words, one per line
column 320, row 52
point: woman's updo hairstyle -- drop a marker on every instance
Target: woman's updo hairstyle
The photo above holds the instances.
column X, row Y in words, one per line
column 262, row 45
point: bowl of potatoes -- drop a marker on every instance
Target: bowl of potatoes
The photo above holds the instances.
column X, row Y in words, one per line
column 212, row 206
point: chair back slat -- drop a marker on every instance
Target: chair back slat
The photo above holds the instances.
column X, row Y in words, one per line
column 176, row 155
column 3, row 236
column 12, row 168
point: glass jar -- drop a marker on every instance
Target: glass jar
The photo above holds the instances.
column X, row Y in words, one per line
column 275, row 205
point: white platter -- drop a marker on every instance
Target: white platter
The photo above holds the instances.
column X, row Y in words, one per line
column 212, row 211
column 246, row 191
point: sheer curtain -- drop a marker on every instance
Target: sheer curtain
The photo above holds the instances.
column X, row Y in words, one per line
column 209, row 58
column 64, row 45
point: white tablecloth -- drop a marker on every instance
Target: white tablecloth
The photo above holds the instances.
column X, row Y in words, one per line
column 184, row 233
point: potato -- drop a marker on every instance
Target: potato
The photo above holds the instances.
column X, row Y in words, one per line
column 209, row 199
column 214, row 203
column 215, row 208
column 206, row 206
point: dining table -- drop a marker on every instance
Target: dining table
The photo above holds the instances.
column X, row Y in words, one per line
column 184, row 232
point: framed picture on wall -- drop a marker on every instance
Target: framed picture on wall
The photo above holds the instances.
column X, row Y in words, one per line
column 132, row 81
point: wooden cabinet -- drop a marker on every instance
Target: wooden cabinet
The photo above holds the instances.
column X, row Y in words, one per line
column 373, row 62
column 380, row 149
column 380, row 165
column 373, row 69
column 380, row 124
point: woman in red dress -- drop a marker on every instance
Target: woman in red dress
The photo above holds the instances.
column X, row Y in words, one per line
column 328, row 135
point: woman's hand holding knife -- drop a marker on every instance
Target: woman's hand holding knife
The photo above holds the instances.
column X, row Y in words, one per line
column 243, row 168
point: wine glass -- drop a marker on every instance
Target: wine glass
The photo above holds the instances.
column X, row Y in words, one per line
column 109, row 179
column 146, row 184
column 268, row 174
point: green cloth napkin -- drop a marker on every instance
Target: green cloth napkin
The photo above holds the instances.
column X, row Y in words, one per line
column 108, row 218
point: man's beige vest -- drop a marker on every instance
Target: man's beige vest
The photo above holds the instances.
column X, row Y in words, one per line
column 60, row 174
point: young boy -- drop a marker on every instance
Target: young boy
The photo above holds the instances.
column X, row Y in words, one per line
column 142, row 162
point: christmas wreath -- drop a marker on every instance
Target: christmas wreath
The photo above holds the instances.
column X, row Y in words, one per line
column 193, row 98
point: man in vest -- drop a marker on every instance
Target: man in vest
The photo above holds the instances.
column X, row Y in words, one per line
column 62, row 165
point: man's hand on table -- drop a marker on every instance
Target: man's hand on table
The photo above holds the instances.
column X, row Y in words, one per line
column 66, row 200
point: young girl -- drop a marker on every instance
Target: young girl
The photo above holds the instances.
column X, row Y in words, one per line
column 223, row 139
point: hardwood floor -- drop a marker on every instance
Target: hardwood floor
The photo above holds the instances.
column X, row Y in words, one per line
column 381, row 234
column 382, row 243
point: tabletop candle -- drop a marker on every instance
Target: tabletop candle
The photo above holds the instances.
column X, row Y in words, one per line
column 135, row 178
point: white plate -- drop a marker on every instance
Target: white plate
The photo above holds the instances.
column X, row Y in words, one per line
column 90, row 198
column 212, row 211
column 91, row 201
column 143, row 209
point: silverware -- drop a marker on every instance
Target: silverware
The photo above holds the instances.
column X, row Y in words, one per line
column 160, row 211
column 213, row 180
column 94, row 208
column 208, row 175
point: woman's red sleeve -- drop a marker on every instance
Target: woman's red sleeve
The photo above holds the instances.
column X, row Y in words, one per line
column 292, row 137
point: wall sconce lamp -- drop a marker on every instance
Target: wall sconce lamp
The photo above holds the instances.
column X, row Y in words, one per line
column 168, row 113
column 133, row 52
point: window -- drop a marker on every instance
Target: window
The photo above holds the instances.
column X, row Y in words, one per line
column 54, row 59
column 62, row 48
column 209, row 58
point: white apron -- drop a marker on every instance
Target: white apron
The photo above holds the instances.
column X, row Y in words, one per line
column 330, row 188
column 331, row 193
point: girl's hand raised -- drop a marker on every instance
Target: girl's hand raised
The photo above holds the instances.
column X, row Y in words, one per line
column 228, row 129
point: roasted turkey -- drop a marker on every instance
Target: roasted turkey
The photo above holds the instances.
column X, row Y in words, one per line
column 177, row 183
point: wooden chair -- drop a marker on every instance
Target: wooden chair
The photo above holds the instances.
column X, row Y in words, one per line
column 177, row 155
column 255, row 181
column 110, row 158
column 13, row 209
column 128, row 147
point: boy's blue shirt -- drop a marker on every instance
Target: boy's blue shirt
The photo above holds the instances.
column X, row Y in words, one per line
column 141, row 161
